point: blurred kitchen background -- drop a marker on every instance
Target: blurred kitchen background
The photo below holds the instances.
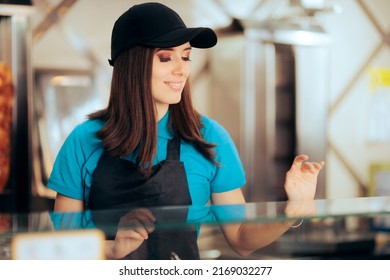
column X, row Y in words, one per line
column 286, row 77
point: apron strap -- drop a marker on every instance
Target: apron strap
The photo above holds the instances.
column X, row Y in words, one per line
column 173, row 151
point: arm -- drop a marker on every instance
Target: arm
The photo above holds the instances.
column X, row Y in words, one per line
column 243, row 238
column 67, row 204
column 300, row 186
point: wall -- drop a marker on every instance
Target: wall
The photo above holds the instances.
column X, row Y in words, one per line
column 359, row 40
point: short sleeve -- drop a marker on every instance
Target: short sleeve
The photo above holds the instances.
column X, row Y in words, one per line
column 67, row 177
column 230, row 174
column 72, row 220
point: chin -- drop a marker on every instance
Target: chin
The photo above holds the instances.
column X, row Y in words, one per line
column 175, row 102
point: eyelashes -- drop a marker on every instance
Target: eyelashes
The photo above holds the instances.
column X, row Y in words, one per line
column 164, row 58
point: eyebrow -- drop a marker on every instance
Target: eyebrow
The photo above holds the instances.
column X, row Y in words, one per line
column 171, row 49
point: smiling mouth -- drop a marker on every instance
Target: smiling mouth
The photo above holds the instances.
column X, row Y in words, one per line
column 173, row 85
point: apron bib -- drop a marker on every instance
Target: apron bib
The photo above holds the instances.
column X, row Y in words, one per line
column 118, row 185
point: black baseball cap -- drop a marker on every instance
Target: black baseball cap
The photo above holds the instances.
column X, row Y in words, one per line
column 153, row 24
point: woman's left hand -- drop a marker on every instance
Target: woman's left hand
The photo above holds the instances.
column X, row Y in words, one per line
column 301, row 179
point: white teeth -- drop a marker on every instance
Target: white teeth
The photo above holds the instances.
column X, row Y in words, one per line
column 175, row 85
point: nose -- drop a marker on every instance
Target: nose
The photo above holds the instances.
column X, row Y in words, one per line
column 181, row 67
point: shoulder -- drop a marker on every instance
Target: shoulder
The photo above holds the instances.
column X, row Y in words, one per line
column 83, row 137
column 87, row 129
column 76, row 158
column 213, row 131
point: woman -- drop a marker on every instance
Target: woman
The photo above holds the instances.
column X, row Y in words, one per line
column 150, row 147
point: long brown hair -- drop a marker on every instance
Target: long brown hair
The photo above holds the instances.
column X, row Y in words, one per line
column 130, row 118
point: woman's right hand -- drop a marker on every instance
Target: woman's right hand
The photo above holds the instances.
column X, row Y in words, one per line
column 133, row 229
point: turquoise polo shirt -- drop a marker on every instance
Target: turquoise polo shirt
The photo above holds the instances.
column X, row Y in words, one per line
column 79, row 155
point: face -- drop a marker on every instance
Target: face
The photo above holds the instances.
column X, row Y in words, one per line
column 171, row 68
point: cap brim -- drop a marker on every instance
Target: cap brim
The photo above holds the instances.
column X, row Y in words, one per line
column 199, row 37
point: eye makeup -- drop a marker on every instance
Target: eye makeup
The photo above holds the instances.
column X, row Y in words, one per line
column 166, row 55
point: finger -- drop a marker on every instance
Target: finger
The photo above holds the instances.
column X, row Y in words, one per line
column 145, row 219
column 139, row 229
column 306, row 167
column 146, row 213
column 137, row 223
column 142, row 231
column 143, row 228
column 147, row 222
column 130, row 233
column 313, row 168
column 131, row 225
column 318, row 165
column 149, row 228
column 298, row 160
column 310, row 167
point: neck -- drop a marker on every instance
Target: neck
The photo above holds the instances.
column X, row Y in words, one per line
column 161, row 110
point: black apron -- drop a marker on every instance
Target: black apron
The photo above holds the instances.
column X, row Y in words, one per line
column 118, row 185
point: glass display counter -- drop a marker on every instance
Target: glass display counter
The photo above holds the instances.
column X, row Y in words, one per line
column 353, row 228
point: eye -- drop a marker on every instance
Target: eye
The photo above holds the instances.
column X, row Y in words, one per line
column 186, row 58
column 165, row 58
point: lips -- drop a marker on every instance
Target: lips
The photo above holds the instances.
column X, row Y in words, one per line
column 175, row 85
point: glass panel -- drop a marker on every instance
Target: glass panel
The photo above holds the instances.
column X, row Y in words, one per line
column 338, row 228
